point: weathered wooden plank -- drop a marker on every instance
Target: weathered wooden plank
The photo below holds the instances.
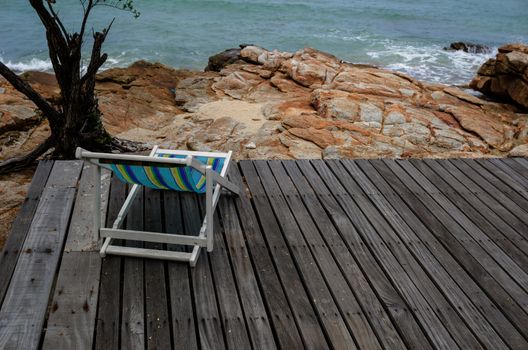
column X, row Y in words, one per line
column 65, row 173
column 524, row 163
column 297, row 192
column 331, row 318
column 506, row 238
column 156, row 303
column 331, row 254
column 507, row 175
column 519, row 173
column 471, row 235
column 21, row 225
column 259, row 329
column 522, row 160
column 483, row 249
column 71, row 323
column 468, row 255
column 400, row 314
column 492, row 203
column 474, row 234
column 234, row 325
column 482, row 300
column 81, row 233
column 496, row 188
column 24, row 308
column 107, row 324
column 301, row 302
column 133, row 311
column 438, row 267
column 447, row 180
column 208, row 317
column 182, row 312
column 496, row 247
column 369, row 223
column 228, row 299
column 281, row 316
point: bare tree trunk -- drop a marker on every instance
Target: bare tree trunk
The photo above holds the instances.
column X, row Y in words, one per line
column 75, row 120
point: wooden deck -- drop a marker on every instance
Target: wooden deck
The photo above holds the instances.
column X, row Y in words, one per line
column 345, row 254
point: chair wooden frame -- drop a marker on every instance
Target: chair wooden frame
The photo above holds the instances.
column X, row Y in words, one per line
column 214, row 182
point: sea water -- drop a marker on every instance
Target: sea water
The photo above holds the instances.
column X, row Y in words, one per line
column 405, row 35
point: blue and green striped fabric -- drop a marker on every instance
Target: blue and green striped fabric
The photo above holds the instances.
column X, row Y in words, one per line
column 166, row 178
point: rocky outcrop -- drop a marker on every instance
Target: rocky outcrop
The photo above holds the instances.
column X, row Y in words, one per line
column 309, row 104
column 468, row 47
column 506, row 75
column 13, row 189
column 272, row 104
column 21, row 124
column 221, row 60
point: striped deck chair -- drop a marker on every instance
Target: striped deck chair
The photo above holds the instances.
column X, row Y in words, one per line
column 199, row 172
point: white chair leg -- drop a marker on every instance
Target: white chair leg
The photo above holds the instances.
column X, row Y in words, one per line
column 194, row 256
column 97, row 202
column 106, row 243
column 209, row 208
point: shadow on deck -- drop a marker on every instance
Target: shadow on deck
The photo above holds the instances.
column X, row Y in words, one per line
column 316, row 254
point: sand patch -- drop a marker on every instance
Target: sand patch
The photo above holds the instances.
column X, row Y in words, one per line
column 247, row 113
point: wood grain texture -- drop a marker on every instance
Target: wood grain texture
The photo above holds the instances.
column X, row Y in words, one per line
column 24, row 308
column 303, row 311
column 184, row 332
column 250, row 298
column 362, row 213
column 108, row 308
column 347, row 253
column 21, row 225
column 133, row 310
column 71, row 323
column 510, row 199
column 476, row 191
column 333, row 256
column 312, row 276
column 81, row 233
column 232, row 315
column 437, row 271
column 313, row 254
column 211, row 333
column 156, row 303
column 280, row 313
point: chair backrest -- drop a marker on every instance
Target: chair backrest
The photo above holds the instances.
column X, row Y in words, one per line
column 178, row 177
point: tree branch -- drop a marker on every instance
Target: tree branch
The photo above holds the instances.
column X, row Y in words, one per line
column 18, row 163
column 96, row 60
column 57, row 19
column 51, row 25
column 27, row 90
column 55, row 61
column 87, row 10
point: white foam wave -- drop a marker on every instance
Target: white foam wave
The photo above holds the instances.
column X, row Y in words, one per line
column 339, row 35
column 32, row 64
column 431, row 63
column 36, row 64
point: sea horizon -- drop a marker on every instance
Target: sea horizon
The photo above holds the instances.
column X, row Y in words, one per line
column 399, row 35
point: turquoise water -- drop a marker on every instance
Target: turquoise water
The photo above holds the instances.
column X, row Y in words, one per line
column 405, row 35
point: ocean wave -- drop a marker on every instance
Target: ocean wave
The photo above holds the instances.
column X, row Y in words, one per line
column 37, row 64
column 33, row 64
column 418, row 58
column 431, row 63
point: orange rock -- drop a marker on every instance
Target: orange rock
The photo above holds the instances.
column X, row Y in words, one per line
column 321, row 137
column 506, row 76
